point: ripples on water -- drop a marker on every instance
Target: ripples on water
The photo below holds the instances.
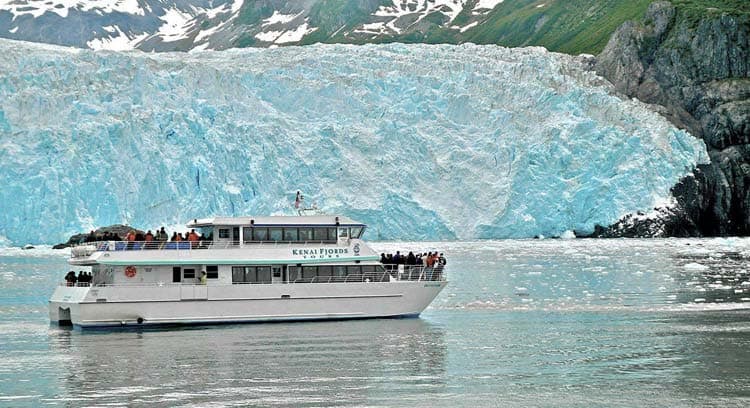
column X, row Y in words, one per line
column 522, row 323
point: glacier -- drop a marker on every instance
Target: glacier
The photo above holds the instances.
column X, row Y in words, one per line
column 419, row 141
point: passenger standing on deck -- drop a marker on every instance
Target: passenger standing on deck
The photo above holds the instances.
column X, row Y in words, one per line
column 193, row 238
column 162, row 235
column 149, row 238
column 70, row 278
column 430, row 260
column 203, row 277
column 130, row 238
column 411, row 259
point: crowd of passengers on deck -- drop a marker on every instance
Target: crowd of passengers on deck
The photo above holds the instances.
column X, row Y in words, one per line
column 428, row 259
column 83, row 278
column 160, row 236
column 152, row 240
column 429, row 263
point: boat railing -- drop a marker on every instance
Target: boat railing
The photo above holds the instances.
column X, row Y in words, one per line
column 87, row 248
column 408, row 273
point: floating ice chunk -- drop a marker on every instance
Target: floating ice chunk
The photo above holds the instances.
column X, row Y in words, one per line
column 694, row 266
column 699, row 300
column 568, row 235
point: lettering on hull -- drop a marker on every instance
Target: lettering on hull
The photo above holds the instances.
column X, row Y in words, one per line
column 320, row 253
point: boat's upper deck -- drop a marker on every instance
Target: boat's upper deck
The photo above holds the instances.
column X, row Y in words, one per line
column 277, row 221
column 292, row 238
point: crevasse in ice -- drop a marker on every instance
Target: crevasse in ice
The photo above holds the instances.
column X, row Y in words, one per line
column 418, row 141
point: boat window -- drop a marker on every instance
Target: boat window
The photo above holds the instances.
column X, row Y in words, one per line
column 293, row 273
column 290, row 234
column 260, row 234
column 250, row 275
column 379, row 269
column 212, row 272
column 368, row 268
column 356, row 232
column 207, row 232
column 331, row 234
column 264, row 274
column 339, row 270
column 247, row 234
column 343, row 232
column 320, row 234
column 305, row 234
column 188, row 273
column 309, row 272
column 224, row 233
column 238, row 274
column 353, row 270
column 274, row 234
column 325, row 270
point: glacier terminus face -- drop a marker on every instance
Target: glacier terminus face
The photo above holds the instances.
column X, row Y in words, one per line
column 417, row 141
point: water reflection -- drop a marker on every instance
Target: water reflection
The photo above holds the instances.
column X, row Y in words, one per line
column 339, row 363
column 711, row 351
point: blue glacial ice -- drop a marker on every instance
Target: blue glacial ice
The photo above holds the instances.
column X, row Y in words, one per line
column 418, row 141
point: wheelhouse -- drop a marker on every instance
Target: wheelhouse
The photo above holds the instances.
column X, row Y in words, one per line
column 250, row 230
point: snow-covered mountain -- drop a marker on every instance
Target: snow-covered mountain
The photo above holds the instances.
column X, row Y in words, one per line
column 183, row 25
column 418, row 141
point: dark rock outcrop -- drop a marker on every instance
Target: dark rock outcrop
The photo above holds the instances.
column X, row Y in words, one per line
column 696, row 68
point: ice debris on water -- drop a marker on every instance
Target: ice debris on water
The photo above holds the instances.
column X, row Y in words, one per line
column 694, row 266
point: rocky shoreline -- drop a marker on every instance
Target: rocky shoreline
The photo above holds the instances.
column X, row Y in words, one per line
column 694, row 72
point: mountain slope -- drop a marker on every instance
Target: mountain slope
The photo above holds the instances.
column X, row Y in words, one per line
column 571, row 26
column 692, row 59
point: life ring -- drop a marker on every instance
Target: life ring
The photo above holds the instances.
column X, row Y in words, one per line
column 130, row 271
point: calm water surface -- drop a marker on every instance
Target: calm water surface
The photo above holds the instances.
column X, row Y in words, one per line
column 522, row 323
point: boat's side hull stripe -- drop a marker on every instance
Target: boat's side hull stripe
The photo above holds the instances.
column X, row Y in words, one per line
column 243, row 299
column 105, row 261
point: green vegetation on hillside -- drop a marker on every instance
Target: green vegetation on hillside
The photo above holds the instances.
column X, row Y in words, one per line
column 569, row 26
column 694, row 10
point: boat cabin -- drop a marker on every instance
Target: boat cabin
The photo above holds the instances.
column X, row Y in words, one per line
column 241, row 250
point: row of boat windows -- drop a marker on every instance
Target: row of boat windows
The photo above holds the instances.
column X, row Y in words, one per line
column 263, row 274
column 292, row 234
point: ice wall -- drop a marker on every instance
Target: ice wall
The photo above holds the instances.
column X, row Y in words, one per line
column 418, row 141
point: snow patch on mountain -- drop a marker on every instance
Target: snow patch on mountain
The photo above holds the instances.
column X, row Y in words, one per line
column 278, row 18
column 37, row 8
column 422, row 8
column 486, row 5
column 117, row 41
column 176, row 25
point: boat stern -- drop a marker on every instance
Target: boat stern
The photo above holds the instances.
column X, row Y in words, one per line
column 63, row 305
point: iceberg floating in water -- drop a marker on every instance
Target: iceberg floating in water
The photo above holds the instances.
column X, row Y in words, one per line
column 418, row 141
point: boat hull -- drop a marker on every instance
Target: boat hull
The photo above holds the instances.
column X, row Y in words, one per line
column 90, row 307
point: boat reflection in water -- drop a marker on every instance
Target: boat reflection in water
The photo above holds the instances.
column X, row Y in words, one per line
column 387, row 361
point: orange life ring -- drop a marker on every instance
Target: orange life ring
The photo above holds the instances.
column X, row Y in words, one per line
column 130, row 271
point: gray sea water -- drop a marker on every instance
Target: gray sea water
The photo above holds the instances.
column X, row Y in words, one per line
column 534, row 323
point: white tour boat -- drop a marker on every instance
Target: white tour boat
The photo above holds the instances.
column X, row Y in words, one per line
column 258, row 269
